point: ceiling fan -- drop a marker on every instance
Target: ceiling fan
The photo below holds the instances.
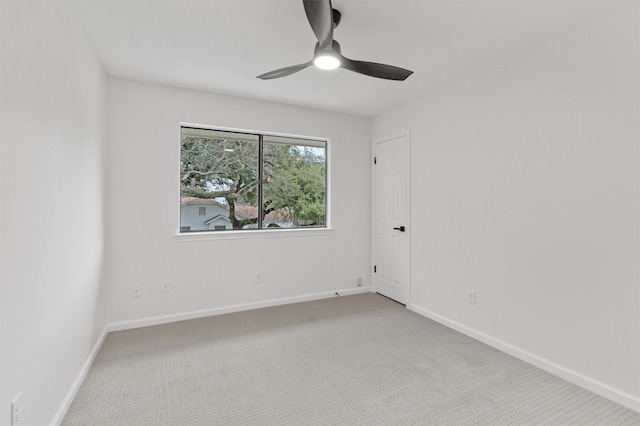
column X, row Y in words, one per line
column 323, row 19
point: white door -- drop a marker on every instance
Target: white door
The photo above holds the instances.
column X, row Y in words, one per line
column 391, row 249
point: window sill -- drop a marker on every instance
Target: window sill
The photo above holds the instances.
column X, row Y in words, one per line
column 249, row 234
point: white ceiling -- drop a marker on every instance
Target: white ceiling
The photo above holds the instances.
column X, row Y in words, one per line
column 222, row 45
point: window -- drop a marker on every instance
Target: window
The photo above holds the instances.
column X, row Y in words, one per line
column 251, row 181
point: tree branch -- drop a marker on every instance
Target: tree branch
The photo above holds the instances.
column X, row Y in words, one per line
column 188, row 174
column 201, row 193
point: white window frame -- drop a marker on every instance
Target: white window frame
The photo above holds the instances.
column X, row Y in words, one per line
column 256, row 233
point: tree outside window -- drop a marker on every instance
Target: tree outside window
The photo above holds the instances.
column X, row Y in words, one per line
column 251, row 181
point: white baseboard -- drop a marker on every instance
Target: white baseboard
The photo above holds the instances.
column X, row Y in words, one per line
column 623, row 398
column 145, row 322
column 75, row 386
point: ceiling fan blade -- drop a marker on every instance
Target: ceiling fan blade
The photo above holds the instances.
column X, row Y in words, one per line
column 283, row 72
column 373, row 69
column 320, row 16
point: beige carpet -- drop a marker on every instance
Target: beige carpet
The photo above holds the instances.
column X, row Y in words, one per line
column 348, row 360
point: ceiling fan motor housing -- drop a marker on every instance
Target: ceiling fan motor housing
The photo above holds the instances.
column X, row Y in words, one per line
column 337, row 16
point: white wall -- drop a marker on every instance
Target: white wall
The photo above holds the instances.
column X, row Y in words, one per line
column 52, row 105
column 525, row 189
column 143, row 156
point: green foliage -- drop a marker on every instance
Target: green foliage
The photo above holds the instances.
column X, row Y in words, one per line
column 293, row 185
column 214, row 168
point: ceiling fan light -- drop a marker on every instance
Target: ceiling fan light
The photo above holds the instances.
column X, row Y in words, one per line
column 326, row 62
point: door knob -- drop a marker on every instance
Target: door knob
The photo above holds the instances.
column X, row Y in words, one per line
column 401, row 229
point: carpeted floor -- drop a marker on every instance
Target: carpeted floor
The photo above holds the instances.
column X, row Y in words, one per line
column 344, row 361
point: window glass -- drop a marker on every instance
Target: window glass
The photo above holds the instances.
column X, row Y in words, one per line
column 236, row 181
column 294, row 183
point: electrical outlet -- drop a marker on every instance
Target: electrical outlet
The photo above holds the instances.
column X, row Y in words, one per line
column 136, row 291
column 359, row 282
column 165, row 287
column 471, row 297
column 16, row 410
column 259, row 277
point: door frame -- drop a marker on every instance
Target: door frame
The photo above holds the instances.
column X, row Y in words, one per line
column 407, row 134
